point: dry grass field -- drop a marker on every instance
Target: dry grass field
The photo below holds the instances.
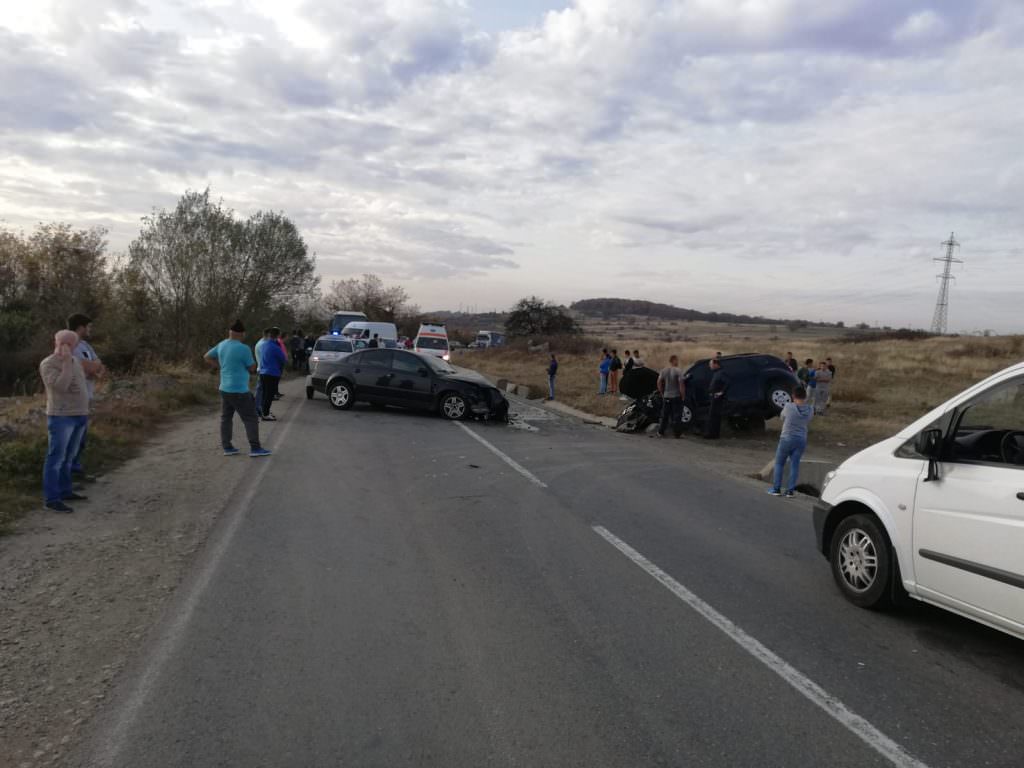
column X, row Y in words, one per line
column 880, row 385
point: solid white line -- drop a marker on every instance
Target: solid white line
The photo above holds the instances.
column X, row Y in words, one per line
column 113, row 739
column 853, row 722
column 503, row 456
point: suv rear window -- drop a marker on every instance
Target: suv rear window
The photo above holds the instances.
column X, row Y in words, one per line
column 332, row 345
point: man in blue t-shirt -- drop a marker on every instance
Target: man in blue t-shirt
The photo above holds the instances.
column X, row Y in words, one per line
column 235, row 360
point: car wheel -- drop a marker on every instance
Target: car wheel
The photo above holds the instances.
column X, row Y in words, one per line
column 686, row 417
column 779, row 396
column 861, row 559
column 340, row 395
column 453, row 406
column 309, row 393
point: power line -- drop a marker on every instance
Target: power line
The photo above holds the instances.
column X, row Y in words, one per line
column 941, row 317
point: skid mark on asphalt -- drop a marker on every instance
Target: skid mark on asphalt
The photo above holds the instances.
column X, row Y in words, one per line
column 849, row 719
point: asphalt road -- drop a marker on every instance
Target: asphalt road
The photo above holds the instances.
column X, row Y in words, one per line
column 388, row 591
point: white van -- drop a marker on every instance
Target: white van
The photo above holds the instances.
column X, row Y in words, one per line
column 937, row 512
column 343, row 317
column 432, row 339
column 364, row 329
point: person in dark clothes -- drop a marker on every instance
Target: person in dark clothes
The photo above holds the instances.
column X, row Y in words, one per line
column 629, row 363
column 295, row 343
column 613, row 372
column 552, row 373
column 374, row 342
column 791, row 362
column 717, row 391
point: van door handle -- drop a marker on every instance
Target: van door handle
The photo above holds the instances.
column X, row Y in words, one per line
column 1020, row 495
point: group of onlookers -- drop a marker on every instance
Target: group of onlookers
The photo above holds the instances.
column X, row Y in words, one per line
column 816, row 379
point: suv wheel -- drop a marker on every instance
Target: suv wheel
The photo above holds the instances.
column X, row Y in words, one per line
column 453, row 406
column 340, row 395
column 861, row 559
column 779, row 396
column 686, row 417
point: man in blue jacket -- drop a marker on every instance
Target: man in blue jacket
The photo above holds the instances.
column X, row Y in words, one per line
column 271, row 365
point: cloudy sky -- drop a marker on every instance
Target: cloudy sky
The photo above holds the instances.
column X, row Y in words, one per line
column 783, row 157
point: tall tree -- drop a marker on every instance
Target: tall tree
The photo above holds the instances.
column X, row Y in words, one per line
column 536, row 317
column 200, row 267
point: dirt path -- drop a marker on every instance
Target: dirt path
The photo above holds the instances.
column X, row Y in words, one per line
column 78, row 593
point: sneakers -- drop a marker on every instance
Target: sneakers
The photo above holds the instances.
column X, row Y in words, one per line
column 75, row 497
column 255, row 453
column 790, row 494
column 231, row 451
column 270, row 417
column 57, row 506
column 774, row 492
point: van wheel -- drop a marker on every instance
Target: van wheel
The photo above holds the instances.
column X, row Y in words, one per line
column 861, row 559
column 453, row 406
column 340, row 395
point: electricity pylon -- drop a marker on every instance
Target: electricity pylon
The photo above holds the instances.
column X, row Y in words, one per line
column 941, row 316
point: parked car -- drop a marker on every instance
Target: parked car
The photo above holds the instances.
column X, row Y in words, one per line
column 409, row 380
column 936, row 512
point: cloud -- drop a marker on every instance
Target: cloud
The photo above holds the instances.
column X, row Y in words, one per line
column 727, row 155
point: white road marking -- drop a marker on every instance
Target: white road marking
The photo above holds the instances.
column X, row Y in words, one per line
column 503, row 456
column 108, row 746
column 850, row 720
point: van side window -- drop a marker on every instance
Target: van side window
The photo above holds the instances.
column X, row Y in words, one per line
column 990, row 429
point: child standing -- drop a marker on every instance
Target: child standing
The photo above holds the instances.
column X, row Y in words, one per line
column 796, row 416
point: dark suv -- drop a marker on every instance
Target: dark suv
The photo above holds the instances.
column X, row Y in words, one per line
column 759, row 387
column 408, row 380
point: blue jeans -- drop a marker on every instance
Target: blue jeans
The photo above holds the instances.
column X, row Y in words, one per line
column 551, row 387
column 604, row 385
column 791, row 448
column 76, row 461
column 65, row 433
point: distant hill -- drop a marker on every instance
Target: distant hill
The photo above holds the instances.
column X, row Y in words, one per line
column 613, row 307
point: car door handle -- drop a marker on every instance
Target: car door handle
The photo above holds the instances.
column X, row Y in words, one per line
column 1020, row 495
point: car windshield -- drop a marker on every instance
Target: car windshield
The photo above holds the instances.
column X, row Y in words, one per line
column 333, row 345
column 438, row 365
column 431, row 342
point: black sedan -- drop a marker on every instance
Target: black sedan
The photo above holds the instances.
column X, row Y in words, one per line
column 408, row 380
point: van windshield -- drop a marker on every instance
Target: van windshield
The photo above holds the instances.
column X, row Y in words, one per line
column 431, row 342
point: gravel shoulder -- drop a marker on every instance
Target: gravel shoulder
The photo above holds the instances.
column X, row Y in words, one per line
column 79, row 593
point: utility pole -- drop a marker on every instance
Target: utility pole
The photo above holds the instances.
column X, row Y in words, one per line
column 941, row 316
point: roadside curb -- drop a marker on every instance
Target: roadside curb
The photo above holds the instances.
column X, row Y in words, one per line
column 522, row 390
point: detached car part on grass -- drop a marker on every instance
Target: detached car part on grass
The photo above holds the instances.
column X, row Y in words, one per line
column 759, row 388
column 408, row 380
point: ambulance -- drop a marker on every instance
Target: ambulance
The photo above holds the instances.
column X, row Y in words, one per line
column 432, row 339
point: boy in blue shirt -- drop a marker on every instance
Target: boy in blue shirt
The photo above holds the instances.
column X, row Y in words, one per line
column 235, row 360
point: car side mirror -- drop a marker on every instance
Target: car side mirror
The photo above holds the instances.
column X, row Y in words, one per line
column 929, row 444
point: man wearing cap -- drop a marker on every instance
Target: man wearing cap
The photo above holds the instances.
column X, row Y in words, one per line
column 235, row 360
